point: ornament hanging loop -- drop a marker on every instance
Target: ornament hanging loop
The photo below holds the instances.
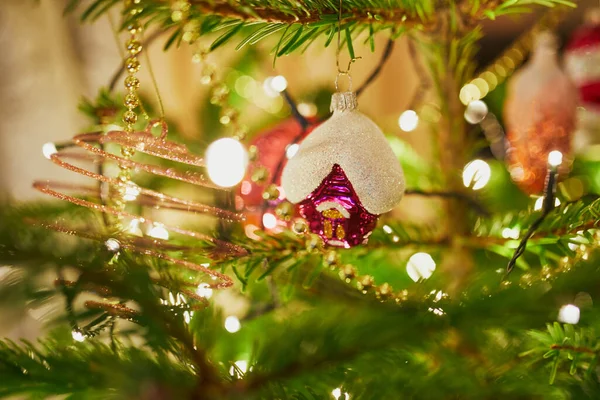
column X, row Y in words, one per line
column 337, row 55
column 337, row 81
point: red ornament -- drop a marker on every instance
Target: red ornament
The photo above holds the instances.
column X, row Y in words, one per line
column 271, row 158
column 582, row 63
column 540, row 117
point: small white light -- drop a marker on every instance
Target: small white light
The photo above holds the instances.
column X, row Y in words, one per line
column 158, row 231
column 539, row 203
column 555, row 158
column 408, row 121
column 232, row 324
column 226, row 161
column 269, row 221
column 510, row 233
column 420, row 266
column 387, row 229
column 569, row 314
column 291, row 150
column 338, row 395
column 204, row 290
column 78, row 336
column 242, row 365
column 476, row 112
column 132, row 191
column 476, row 174
column 134, row 227
column 278, row 83
column 307, row 109
column 112, row 245
column 48, row 149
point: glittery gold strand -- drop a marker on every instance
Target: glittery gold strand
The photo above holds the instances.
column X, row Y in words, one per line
column 230, row 248
column 221, row 280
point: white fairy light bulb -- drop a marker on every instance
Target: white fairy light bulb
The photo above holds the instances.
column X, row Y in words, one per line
column 420, row 266
column 112, row 245
column 539, row 203
column 134, row 227
column 476, row 174
column 48, row 149
column 569, row 314
column 510, row 233
column 476, row 112
column 408, row 121
column 78, row 336
column 158, row 231
column 226, row 161
column 232, row 324
column 204, row 290
column 555, row 158
column 274, row 85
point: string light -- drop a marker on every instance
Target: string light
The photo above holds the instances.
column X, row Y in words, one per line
column 134, row 227
column 226, row 162
column 408, row 121
column 307, row 109
column 274, row 85
column 132, row 191
column 232, row 324
column 420, row 266
column 555, row 158
column 476, row 174
column 48, row 149
column 78, row 336
column 569, row 314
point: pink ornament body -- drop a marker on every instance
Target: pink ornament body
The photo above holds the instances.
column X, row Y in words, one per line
column 335, row 212
column 539, row 116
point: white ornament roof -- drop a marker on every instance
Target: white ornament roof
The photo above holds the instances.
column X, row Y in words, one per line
column 351, row 140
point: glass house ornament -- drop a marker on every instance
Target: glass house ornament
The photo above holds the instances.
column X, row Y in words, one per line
column 344, row 175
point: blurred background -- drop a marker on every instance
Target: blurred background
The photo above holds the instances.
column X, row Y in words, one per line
column 49, row 62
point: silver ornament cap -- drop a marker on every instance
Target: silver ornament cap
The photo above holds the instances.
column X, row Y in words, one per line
column 354, row 142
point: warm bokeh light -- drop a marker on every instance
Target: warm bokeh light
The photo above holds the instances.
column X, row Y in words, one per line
column 48, row 149
column 112, row 244
column 476, row 112
column 420, row 266
column 226, row 161
column 232, row 324
column 569, row 314
column 510, row 233
column 408, row 121
column 469, row 93
column 476, row 174
column 78, row 336
column 555, row 158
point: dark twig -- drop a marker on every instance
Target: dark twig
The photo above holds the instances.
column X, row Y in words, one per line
column 548, row 206
column 294, row 109
column 387, row 52
column 477, row 206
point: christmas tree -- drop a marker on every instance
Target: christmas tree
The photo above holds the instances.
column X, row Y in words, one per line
column 244, row 263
